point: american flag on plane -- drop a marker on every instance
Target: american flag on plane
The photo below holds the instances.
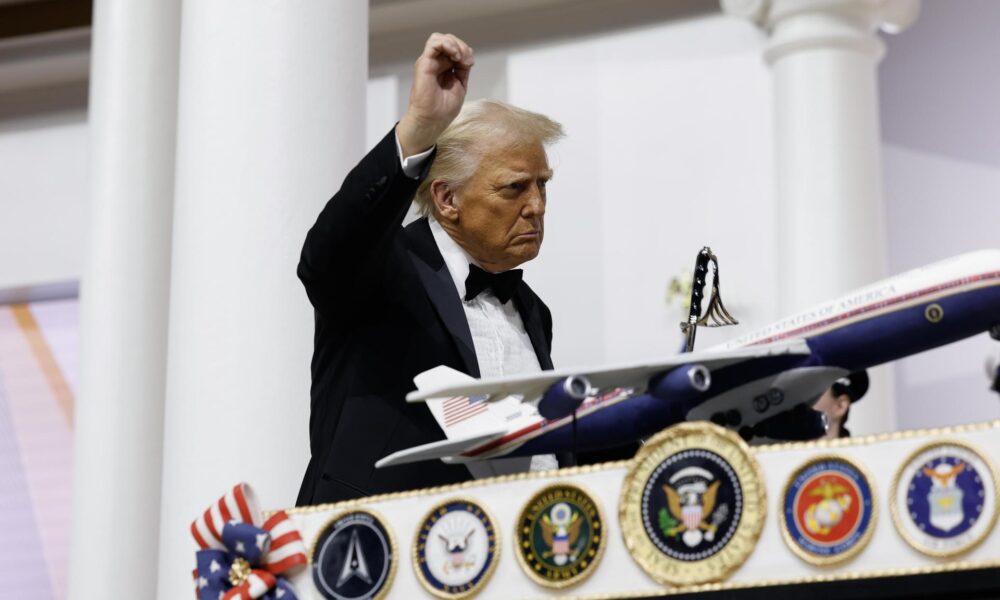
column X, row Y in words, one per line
column 460, row 408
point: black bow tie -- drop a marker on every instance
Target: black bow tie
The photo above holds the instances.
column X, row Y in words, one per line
column 502, row 284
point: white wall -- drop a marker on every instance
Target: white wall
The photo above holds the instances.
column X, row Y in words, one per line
column 43, row 198
column 940, row 206
column 940, row 100
column 668, row 149
column 654, row 118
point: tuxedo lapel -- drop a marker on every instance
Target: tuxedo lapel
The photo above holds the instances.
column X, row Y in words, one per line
column 441, row 290
column 531, row 316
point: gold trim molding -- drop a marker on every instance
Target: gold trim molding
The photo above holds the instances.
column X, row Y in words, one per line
column 457, row 487
column 624, row 464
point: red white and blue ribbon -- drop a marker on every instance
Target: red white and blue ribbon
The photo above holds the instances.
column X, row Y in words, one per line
column 242, row 556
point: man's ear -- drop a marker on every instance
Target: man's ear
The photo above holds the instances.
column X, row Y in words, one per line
column 445, row 202
column 841, row 404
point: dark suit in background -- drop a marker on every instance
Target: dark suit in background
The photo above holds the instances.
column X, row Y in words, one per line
column 386, row 310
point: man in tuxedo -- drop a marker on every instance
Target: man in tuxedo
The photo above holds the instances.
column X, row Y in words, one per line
column 391, row 302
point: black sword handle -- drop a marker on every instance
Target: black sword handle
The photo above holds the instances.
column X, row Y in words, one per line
column 697, row 293
column 698, row 285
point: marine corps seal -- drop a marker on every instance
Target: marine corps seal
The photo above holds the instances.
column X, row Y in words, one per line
column 944, row 498
column 354, row 557
column 692, row 505
column 456, row 549
column 560, row 536
column 828, row 510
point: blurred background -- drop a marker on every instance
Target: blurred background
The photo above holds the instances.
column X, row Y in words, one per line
column 670, row 116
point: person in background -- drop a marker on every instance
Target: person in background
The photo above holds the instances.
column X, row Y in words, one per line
column 993, row 372
column 836, row 402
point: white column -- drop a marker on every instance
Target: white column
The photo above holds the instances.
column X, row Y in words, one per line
column 824, row 55
column 271, row 118
column 831, row 230
column 125, row 287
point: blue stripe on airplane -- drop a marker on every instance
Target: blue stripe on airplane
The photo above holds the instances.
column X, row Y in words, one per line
column 858, row 345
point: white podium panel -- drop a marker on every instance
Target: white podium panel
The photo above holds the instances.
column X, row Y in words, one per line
column 696, row 517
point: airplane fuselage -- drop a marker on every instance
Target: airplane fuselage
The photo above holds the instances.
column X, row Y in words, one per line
column 913, row 312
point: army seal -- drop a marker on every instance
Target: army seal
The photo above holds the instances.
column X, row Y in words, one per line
column 944, row 498
column 560, row 536
column 828, row 510
column 692, row 505
column 354, row 557
column 456, row 549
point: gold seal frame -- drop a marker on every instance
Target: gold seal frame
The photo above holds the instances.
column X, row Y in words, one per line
column 489, row 570
column 587, row 571
column 897, row 519
column 687, row 436
column 393, row 550
column 860, row 545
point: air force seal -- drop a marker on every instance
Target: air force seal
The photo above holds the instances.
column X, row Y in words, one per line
column 354, row 557
column 456, row 549
column 944, row 499
column 560, row 536
column 828, row 510
column 692, row 505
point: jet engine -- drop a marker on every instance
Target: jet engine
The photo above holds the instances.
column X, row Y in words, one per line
column 683, row 384
column 564, row 397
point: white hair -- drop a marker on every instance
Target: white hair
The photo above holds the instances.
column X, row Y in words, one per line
column 460, row 147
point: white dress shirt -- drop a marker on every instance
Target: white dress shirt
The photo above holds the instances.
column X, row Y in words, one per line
column 501, row 343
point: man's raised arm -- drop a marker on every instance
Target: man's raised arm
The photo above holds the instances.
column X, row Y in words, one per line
column 356, row 228
column 440, row 80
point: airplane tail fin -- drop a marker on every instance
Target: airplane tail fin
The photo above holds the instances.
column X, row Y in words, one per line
column 460, row 417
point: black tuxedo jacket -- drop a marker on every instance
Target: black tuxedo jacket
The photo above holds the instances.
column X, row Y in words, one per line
column 386, row 309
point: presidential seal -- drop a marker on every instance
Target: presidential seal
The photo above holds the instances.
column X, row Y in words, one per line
column 456, row 549
column 944, row 498
column 560, row 536
column 692, row 505
column 828, row 510
column 354, row 557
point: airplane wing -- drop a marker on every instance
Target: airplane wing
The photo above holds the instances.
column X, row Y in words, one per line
column 533, row 385
column 441, row 449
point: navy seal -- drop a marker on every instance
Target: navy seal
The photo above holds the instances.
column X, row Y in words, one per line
column 456, row 549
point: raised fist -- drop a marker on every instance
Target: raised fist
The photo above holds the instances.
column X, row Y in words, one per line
column 440, row 80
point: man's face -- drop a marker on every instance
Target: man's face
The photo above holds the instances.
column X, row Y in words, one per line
column 835, row 408
column 500, row 211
